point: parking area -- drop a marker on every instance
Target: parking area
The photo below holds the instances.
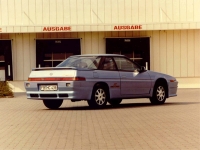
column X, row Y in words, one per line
column 135, row 124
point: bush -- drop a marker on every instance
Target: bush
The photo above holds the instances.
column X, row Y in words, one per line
column 5, row 89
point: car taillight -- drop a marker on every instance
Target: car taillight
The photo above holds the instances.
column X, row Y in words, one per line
column 58, row 79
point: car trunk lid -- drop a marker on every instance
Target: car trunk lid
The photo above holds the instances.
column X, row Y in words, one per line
column 52, row 72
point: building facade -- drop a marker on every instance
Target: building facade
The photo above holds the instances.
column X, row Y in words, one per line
column 162, row 35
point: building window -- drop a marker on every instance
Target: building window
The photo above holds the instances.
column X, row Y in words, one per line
column 50, row 53
column 55, row 58
column 137, row 49
column 2, row 61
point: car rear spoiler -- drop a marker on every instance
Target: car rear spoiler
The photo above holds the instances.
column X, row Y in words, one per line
column 53, row 68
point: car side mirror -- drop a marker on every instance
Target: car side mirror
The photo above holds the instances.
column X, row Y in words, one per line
column 142, row 69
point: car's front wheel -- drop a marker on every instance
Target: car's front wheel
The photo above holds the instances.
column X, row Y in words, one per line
column 99, row 97
column 53, row 104
column 159, row 94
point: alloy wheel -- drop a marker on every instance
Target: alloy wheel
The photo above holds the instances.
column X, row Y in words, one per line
column 160, row 93
column 100, row 96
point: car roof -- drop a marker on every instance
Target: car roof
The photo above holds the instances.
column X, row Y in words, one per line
column 86, row 55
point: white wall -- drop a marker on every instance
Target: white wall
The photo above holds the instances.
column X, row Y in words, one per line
column 52, row 12
column 24, row 54
column 174, row 52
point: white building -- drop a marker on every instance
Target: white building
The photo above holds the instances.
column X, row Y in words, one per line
column 163, row 35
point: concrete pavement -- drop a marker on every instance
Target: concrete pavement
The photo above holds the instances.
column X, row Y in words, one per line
column 134, row 125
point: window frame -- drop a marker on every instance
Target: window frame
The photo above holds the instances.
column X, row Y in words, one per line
column 102, row 62
column 134, row 63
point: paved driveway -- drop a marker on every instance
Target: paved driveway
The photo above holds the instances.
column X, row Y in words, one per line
column 135, row 124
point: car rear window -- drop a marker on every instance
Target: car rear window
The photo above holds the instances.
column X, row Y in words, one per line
column 81, row 62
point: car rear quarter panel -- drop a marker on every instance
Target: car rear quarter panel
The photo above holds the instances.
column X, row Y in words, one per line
column 110, row 78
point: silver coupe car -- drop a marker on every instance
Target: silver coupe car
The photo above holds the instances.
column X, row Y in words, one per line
column 98, row 79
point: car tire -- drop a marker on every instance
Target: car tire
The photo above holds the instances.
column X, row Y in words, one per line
column 99, row 97
column 159, row 94
column 53, row 104
column 115, row 102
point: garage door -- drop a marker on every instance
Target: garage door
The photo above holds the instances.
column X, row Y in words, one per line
column 49, row 53
column 137, row 49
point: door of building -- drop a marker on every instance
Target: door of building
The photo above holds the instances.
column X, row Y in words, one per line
column 51, row 52
column 6, row 72
column 137, row 49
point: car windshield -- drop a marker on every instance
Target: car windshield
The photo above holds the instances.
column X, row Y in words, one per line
column 81, row 62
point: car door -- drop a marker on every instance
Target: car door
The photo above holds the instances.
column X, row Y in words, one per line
column 133, row 82
column 107, row 72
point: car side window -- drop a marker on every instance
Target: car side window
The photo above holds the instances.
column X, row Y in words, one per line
column 108, row 64
column 94, row 63
column 125, row 64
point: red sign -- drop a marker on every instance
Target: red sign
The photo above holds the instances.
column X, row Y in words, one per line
column 56, row 29
column 128, row 27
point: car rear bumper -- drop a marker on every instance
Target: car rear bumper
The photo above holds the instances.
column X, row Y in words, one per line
column 77, row 94
column 76, row 90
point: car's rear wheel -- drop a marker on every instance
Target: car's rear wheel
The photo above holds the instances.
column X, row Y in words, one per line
column 159, row 94
column 99, row 97
column 115, row 102
column 53, row 104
